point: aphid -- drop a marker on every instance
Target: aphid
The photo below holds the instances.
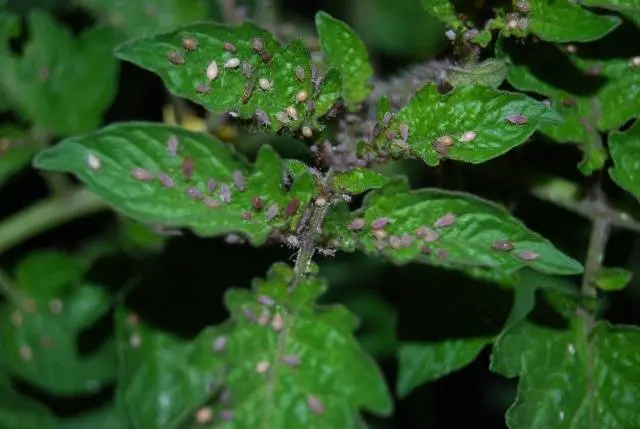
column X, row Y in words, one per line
column 302, row 96
column 503, row 245
column 265, row 300
column 246, row 70
column 634, row 62
column 25, row 353
column 141, row 174
column 426, row 250
column 386, row 119
column 517, row 119
column 211, row 202
column 175, row 58
column 265, row 84
column 232, row 63
column 220, row 344
column 468, row 136
column 212, row 70
column 262, row 117
column 346, row 198
column 55, row 305
column 300, row 73
column 226, row 415
column 172, row 145
column 256, row 202
column 356, row 224
column 292, row 207
column 262, row 367
column 165, row 180
column 263, row 320
column 572, row 49
column 193, row 193
column 235, row 239
column 187, row 169
column 445, row 140
column 202, row 88
column 248, row 314
column 247, row 216
column 292, row 112
column 265, row 56
column 272, row 212
column 395, row 242
column 523, row 23
column 229, row 47
column 390, row 135
column 307, row 132
column 189, row 44
column 257, row 44
column 320, row 202
column 427, row 234
column 380, row 223
column 404, row 131
column 93, row 162
column 291, row 360
column 248, row 90
column 211, row 185
column 380, row 244
column 315, row 404
column 450, row 34
column 528, row 255
column 445, row 221
column 283, row 117
column 238, row 180
column 310, row 106
column 380, row 234
column 16, row 319
column 406, row 240
column 442, row 253
column 135, row 340
column 204, row 415
column 512, row 24
column 225, row 193
column 277, row 323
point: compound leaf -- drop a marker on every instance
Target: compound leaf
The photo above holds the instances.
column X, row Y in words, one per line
column 615, row 102
column 569, row 380
column 344, row 50
column 443, row 228
column 242, row 69
column 146, row 17
column 166, row 175
column 287, row 356
column 625, row 151
column 420, row 363
column 61, row 83
column 40, row 329
column 163, row 379
column 474, row 120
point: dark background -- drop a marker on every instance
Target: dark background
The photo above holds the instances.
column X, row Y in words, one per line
column 180, row 289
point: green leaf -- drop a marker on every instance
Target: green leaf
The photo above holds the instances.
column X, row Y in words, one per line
column 61, row 83
column 9, row 28
column 280, row 80
column 444, row 11
column 344, row 50
column 615, row 102
column 491, row 72
column 163, row 379
column 146, row 17
column 290, row 357
column 358, row 180
column 612, row 278
column 328, row 93
column 421, row 363
column 625, row 151
column 474, row 117
column 138, row 238
column 568, row 380
column 628, row 8
column 564, row 21
column 16, row 150
column 40, row 330
column 478, row 227
column 20, row 412
column 123, row 147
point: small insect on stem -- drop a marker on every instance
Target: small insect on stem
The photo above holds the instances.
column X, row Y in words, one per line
column 248, row 90
column 262, row 117
column 517, row 119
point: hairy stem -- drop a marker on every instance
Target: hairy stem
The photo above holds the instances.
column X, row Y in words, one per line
column 47, row 214
column 597, row 243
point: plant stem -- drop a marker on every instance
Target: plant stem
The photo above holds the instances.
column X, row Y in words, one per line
column 48, row 213
column 308, row 245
